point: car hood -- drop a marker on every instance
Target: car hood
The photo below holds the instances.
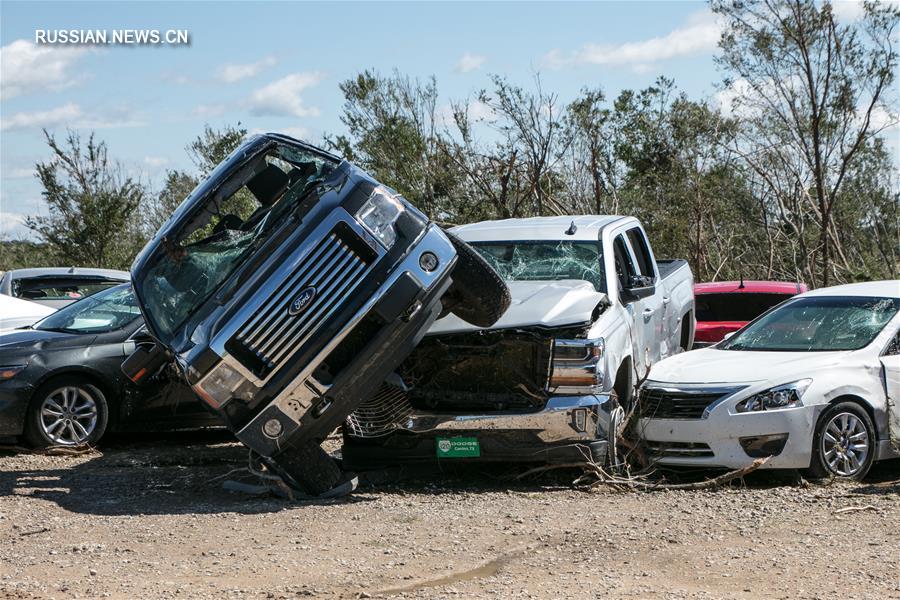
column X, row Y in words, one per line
column 711, row 365
column 537, row 303
column 35, row 340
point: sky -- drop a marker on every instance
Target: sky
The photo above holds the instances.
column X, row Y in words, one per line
column 276, row 66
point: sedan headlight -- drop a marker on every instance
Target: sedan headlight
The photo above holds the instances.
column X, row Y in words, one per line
column 784, row 396
column 10, row 371
column 379, row 214
column 219, row 385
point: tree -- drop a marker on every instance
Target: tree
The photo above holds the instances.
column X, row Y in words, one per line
column 91, row 203
column 214, row 145
column 811, row 91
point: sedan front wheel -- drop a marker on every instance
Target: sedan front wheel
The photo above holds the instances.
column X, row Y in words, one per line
column 67, row 411
column 844, row 443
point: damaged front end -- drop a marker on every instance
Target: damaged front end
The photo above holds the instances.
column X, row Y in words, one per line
column 518, row 394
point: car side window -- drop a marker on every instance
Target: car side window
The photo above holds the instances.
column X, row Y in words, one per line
column 893, row 348
column 624, row 267
column 641, row 252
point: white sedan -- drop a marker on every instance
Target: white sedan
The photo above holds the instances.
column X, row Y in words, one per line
column 813, row 384
column 15, row 312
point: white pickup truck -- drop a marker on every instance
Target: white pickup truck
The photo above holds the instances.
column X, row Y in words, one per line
column 591, row 310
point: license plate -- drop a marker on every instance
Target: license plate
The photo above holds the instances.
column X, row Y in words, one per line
column 458, row 447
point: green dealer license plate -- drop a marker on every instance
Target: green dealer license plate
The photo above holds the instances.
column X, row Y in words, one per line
column 458, row 447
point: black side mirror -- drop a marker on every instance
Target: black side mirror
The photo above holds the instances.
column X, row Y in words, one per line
column 639, row 287
column 146, row 360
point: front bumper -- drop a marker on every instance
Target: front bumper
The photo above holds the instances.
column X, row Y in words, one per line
column 14, row 397
column 407, row 303
column 715, row 441
column 568, row 428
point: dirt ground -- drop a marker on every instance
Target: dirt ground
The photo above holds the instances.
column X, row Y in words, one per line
column 143, row 520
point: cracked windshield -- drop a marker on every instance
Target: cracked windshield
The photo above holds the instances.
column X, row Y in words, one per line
column 241, row 213
column 818, row 324
column 545, row 261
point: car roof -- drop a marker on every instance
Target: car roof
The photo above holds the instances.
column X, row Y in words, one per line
column 587, row 227
column 876, row 289
column 67, row 272
column 750, row 287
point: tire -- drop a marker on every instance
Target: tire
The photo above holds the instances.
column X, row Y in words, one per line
column 308, row 467
column 844, row 432
column 477, row 295
column 66, row 411
column 623, row 386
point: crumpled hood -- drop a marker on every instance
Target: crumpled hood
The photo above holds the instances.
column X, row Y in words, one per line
column 710, row 365
column 537, row 303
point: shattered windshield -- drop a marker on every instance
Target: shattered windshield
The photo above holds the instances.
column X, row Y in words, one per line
column 820, row 323
column 107, row 310
column 227, row 225
column 549, row 260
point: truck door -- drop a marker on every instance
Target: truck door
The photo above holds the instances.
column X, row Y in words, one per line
column 890, row 361
column 649, row 312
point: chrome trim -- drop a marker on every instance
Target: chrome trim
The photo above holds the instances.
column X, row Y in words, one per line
column 725, row 393
column 555, row 423
column 250, row 313
column 432, row 239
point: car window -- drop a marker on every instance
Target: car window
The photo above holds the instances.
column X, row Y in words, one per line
column 105, row 311
column 735, row 307
column 55, row 289
column 816, row 324
column 625, row 269
column 641, row 252
column 893, row 348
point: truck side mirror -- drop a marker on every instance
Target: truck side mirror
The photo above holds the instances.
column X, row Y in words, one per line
column 144, row 362
column 639, row 287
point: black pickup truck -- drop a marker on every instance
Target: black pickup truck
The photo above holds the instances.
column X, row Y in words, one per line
column 288, row 285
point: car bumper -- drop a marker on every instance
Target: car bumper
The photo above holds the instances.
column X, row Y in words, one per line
column 568, row 428
column 14, row 398
column 408, row 302
column 716, row 441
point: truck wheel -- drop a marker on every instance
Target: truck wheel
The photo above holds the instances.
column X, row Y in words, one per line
column 307, row 467
column 477, row 295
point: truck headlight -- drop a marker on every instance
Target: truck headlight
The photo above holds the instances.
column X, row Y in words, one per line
column 576, row 366
column 219, row 385
column 379, row 214
column 784, row 396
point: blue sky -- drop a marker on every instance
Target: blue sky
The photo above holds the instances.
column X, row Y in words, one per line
column 276, row 66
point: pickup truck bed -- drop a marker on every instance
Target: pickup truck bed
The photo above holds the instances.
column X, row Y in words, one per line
column 667, row 266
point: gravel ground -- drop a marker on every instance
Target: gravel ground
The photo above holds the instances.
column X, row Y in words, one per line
column 143, row 520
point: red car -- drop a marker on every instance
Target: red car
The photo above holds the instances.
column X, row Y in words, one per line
column 726, row 306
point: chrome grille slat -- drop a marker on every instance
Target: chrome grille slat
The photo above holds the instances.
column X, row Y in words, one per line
column 267, row 339
column 283, row 294
column 319, row 278
column 325, row 286
column 308, row 330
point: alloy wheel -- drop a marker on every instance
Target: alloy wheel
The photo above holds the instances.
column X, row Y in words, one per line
column 845, row 444
column 69, row 415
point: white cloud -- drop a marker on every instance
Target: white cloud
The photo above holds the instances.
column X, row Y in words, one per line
column 71, row 115
column 61, row 115
column 698, row 35
column 12, row 226
column 26, row 68
column 282, row 98
column 155, row 161
column 209, row 110
column 847, row 10
column 232, row 73
column 470, row 62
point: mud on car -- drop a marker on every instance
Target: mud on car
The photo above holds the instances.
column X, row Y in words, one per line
column 288, row 285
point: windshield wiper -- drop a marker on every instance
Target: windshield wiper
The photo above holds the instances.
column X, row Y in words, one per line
column 58, row 330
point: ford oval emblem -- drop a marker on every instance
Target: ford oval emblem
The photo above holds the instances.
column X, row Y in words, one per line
column 303, row 301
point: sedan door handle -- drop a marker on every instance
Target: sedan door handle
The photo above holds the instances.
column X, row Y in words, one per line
column 666, row 299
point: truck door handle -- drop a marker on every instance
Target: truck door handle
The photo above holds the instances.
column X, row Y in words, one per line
column 666, row 299
column 647, row 312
